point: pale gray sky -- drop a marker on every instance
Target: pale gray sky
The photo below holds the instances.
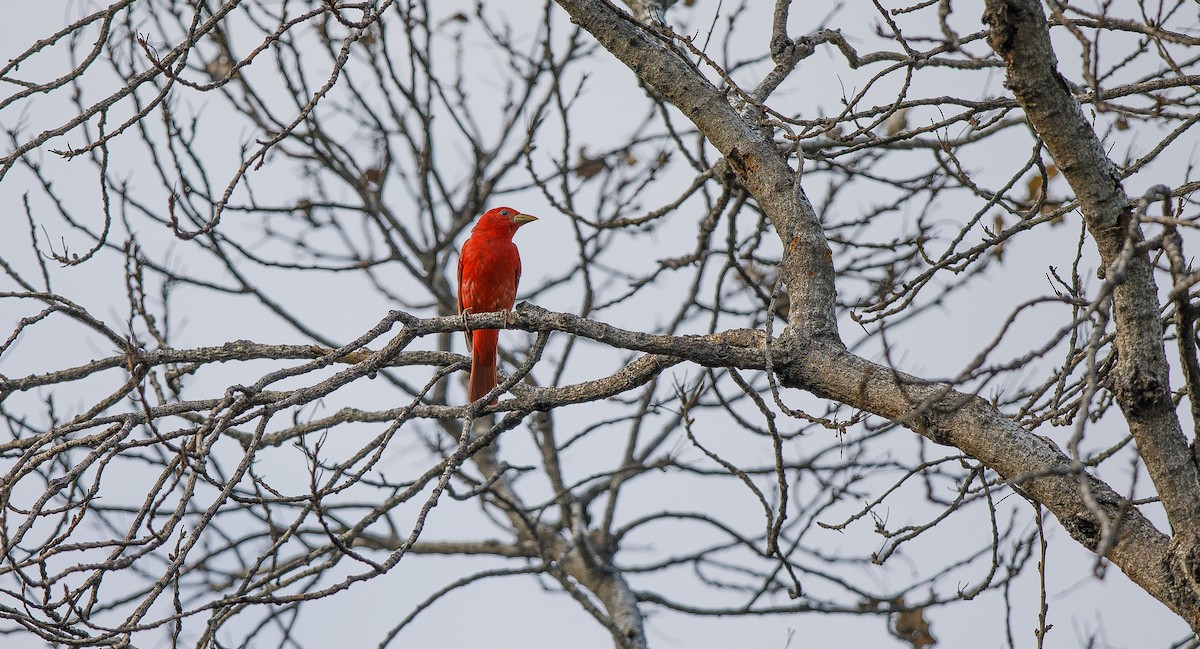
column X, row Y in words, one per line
column 516, row 611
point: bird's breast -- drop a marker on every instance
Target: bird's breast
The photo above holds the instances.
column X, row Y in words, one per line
column 489, row 275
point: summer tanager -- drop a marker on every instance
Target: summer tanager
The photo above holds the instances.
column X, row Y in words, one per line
column 489, row 268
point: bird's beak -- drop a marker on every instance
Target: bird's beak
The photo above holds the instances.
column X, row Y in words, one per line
column 522, row 219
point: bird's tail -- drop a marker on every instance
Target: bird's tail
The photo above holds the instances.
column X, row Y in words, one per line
column 483, row 363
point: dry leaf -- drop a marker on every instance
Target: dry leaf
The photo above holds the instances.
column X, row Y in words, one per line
column 459, row 17
column 367, row 38
column 998, row 224
column 912, row 627
column 586, row 167
column 897, row 122
column 1050, row 206
column 1033, row 188
column 371, row 176
column 220, row 67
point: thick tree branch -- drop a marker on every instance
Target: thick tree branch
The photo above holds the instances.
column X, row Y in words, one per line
column 1034, row 465
column 748, row 147
column 821, row 365
column 1020, row 34
column 229, row 486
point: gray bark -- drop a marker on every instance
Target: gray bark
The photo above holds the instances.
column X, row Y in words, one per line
column 812, row 357
column 1020, row 34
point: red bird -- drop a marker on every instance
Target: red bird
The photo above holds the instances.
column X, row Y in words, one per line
column 489, row 268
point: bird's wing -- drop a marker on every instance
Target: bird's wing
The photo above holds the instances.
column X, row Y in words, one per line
column 517, row 279
column 460, row 268
column 461, row 257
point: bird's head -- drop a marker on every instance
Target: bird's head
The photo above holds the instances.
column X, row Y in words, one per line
column 504, row 218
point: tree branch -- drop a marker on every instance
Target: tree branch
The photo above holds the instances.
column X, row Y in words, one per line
column 821, row 364
column 1141, row 385
column 748, row 147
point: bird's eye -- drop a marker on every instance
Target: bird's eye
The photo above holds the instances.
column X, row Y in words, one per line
column 503, row 212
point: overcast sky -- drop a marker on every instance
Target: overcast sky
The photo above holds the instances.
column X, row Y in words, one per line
column 517, row 610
